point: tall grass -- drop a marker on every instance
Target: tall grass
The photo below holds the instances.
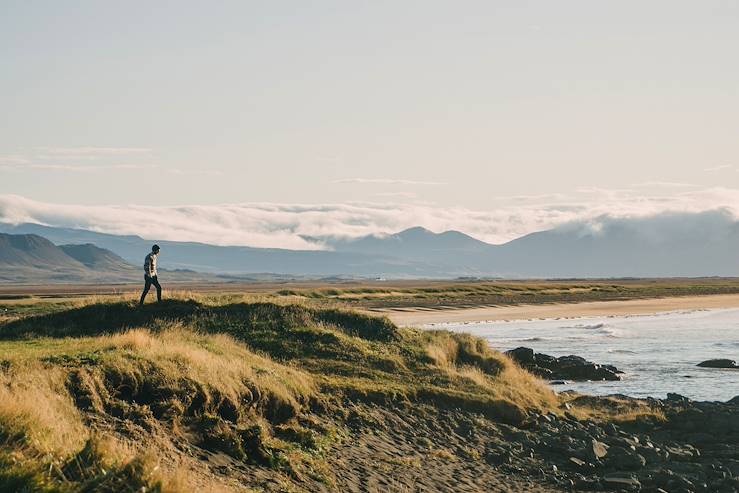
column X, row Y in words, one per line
column 260, row 381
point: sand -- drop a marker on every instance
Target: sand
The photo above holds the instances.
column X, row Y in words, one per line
column 410, row 317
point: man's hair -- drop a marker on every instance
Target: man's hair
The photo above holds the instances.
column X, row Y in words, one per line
column 155, row 248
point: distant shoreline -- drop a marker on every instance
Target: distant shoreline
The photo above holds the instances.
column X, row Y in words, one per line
column 410, row 316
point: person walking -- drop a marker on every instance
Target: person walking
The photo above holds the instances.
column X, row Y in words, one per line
column 150, row 274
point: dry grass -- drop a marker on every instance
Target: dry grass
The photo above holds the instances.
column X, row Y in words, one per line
column 215, row 360
column 469, row 358
column 47, row 385
column 233, row 377
column 611, row 409
column 46, row 445
column 37, row 412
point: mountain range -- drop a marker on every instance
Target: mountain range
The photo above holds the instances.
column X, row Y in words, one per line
column 32, row 258
column 666, row 245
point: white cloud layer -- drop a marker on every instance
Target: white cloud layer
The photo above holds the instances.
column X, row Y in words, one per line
column 285, row 225
column 386, row 181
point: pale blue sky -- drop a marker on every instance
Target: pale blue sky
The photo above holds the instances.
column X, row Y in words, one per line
column 445, row 103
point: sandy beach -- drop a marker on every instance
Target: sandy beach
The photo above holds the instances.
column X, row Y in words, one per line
column 421, row 316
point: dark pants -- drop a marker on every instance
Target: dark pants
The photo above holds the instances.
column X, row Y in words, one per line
column 148, row 281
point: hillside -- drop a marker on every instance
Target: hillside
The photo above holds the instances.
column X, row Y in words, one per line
column 96, row 258
column 229, row 395
column 31, row 250
column 35, row 259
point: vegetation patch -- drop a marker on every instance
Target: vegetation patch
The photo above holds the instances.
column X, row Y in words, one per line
column 264, row 386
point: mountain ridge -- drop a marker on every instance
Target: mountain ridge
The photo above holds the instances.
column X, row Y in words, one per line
column 665, row 245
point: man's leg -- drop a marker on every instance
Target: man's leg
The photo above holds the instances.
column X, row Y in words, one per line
column 147, row 285
column 155, row 282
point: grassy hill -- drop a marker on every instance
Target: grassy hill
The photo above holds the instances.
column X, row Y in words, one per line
column 232, row 395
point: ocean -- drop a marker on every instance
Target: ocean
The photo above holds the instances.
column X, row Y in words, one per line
column 658, row 353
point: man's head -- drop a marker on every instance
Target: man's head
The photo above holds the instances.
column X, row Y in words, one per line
column 155, row 249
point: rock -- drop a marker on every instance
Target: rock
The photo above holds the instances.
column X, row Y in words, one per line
column 621, row 481
column 563, row 368
column 719, row 363
column 625, row 459
column 680, row 453
column 577, row 462
column 598, row 449
column 652, row 455
column 672, row 397
column 522, row 355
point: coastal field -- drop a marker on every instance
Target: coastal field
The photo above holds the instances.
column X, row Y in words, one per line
column 417, row 302
column 285, row 392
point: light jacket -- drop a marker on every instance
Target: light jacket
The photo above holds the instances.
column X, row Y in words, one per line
column 150, row 265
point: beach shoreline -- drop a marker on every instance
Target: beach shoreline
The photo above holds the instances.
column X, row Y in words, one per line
column 419, row 316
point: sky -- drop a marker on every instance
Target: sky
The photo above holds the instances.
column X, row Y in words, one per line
column 260, row 122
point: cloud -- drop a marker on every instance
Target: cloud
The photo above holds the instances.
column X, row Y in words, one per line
column 196, row 172
column 92, row 152
column 663, row 184
column 720, row 167
column 386, row 181
column 287, row 225
column 13, row 160
column 67, row 159
column 24, row 165
column 398, row 195
column 75, row 167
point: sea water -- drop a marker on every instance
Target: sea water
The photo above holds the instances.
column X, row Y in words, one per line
column 658, row 353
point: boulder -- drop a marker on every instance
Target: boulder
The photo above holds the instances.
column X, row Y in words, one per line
column 598, row 450
column 624, row 459
column 522, row 355
column 563, row 368
column 719, row 363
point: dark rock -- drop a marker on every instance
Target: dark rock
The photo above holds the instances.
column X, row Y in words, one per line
column 680, row 453
column 719, row 363
column 563, row 368
column 522, row 355
column 624, row 459
column 676, row 397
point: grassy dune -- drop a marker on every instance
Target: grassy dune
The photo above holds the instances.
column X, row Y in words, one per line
column 107, row 396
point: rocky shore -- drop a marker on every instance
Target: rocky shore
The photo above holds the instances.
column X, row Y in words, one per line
column 694, row 449
column 562, row 368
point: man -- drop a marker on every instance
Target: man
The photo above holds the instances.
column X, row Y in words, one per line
column 150, row 274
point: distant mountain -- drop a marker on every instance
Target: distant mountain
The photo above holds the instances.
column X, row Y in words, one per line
column 96, row 258
column 414, row 243
column 238, row 260
column 664, row 245
column 31, row 258
column 32, row 250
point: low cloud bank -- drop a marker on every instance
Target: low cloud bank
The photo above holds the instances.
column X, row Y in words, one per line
column 288, row 225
